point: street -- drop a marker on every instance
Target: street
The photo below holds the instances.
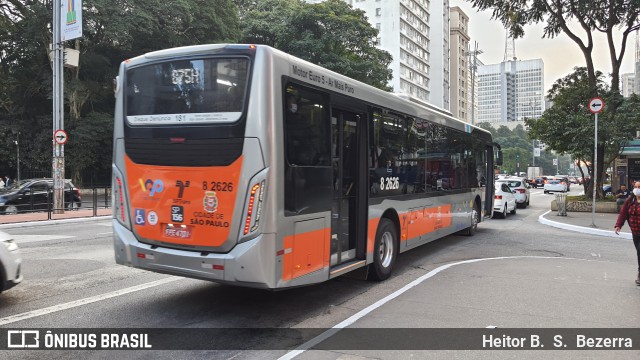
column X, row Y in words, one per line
column 71, row 281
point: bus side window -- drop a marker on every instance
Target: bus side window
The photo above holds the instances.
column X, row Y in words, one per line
column 307, row 149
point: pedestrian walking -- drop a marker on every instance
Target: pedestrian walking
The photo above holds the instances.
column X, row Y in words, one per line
column 630, row 213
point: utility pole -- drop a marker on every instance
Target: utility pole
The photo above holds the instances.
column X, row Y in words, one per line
column 67, row 25
column 58, row 109
column 473, row 63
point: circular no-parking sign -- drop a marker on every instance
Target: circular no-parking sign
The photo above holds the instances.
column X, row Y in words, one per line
column 60, row 137
column 596, row 105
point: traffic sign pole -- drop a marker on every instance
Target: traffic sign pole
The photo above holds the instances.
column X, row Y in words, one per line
column 595, row 173
column 595, row 106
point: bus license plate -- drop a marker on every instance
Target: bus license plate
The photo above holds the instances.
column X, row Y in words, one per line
column 177, row 232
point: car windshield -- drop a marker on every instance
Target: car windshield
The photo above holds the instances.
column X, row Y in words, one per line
column 553, row 182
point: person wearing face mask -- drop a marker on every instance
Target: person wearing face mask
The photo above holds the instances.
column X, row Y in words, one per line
column 630, row 212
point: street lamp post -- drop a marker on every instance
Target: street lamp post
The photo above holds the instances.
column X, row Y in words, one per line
column 17, row 142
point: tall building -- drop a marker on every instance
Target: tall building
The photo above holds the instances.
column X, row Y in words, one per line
column 628, row 84
column 416, row 34
column 460, row 74
column 510, row 91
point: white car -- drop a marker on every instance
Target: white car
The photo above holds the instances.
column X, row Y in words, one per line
column 555, row 185
column 520, row 185
column 504, row 200
column 10, row 261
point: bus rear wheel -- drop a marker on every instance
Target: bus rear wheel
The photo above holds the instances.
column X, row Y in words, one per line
column 385, row 250
column 475, row 219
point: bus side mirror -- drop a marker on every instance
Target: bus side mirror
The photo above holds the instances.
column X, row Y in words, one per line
column 499, row 158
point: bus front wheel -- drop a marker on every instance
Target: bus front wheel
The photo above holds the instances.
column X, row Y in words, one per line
column 385, row 250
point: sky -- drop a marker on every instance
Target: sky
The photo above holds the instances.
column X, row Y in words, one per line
column 560, row 54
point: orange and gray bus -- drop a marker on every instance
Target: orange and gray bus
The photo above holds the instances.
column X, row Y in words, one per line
column 244, row 165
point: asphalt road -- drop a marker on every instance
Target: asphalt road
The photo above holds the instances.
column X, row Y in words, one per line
column 72, row 281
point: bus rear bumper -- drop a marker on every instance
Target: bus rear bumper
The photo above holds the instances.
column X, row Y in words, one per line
column 250, row 264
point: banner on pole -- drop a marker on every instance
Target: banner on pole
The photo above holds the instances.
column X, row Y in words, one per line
column 71, row 19
column 536, row 152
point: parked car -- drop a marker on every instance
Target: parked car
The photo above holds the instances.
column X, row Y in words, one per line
column 504, row 200
column 10, row 262
column 521, row 188
column 554, row 185
column 565, row 180
column 36, row 195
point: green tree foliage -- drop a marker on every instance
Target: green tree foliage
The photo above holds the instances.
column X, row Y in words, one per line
column 597, row 16
column 113, row 31
column 568, row 126
column 517, row 147
column 331, row 34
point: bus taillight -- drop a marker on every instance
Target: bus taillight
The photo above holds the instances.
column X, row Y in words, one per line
column 257, row 194
column 118, row 200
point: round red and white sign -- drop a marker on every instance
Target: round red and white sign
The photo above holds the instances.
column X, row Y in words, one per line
column 60, row 137
column 596, row 105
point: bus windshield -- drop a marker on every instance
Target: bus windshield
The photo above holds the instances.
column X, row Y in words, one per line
column 189, row 91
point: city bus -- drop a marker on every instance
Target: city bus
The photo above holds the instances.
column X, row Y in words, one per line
column 244, row 165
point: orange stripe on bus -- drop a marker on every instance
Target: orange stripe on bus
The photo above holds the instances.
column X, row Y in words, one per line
column 371, row 234
column 427, row 220
column 309, row 253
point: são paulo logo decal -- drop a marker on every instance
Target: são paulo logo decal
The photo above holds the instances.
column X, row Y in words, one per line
column 210, row 201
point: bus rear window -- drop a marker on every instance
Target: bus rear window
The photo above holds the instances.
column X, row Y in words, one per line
column 187, row 91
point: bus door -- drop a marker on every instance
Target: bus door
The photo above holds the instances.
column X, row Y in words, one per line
column 347, row 207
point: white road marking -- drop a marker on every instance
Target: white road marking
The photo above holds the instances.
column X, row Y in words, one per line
column 23, row 239
column 89, row 300
column 107, row 224
column 107, row 233
column 355, row 317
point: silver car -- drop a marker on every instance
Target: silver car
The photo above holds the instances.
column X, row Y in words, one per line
column 10, row 262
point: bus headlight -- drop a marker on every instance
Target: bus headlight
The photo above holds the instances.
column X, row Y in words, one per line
column 118, row 200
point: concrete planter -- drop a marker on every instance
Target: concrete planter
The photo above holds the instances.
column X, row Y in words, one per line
column 585, row 206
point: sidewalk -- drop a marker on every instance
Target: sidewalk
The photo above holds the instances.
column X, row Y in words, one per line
column 581, row 222
column 41, row 218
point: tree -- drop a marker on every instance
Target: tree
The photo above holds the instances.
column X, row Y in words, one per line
column 568, row 126
column 604, row 16
column 113, row 31
column 331, row 34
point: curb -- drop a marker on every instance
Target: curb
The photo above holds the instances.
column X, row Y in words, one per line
column 53, row 222
column 582, row 229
